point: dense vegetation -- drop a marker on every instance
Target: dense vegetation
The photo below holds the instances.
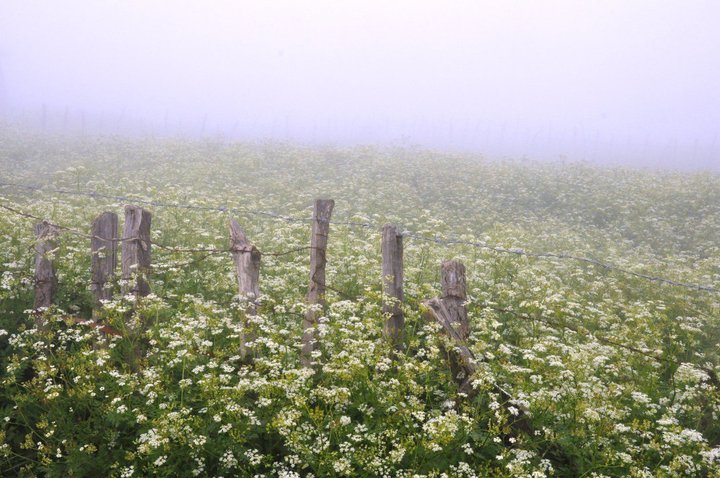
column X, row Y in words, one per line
column 619, row 373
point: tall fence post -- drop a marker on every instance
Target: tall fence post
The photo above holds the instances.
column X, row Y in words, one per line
column 316, row 293
column 136, row 250
column 45, row 277
column 104, row 247
column 247, row 268
column 392, row 276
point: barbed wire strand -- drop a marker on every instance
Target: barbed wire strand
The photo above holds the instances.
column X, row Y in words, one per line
column 154, row 243
column 562, row 256
column 712, row 376
column 148, row 202
column 368, row 225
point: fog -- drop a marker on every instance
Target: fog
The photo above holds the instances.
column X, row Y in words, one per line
column 612, row 81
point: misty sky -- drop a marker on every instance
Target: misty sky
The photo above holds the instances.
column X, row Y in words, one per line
column 610, row 80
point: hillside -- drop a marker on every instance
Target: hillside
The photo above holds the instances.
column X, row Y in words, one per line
column 571, row 302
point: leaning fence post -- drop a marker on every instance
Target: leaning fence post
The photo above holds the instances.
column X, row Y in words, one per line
column 450, row 314
column 316, row 293
column 45, row 277
column 136, row 250
column 103, row 246
column 247, row 268
column 392, row 276
column 454, row 296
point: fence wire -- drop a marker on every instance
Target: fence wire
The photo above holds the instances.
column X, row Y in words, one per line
column 712, row 376
column 209, row 250
column 367, row 225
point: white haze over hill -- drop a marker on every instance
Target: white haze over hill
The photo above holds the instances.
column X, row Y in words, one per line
column 615, row 81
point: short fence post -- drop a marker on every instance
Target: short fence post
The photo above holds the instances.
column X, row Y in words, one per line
column 449, row 310
column 316, row 293
column 45, row 277
column 136, row 250
column 247, row 268
column 104, row 247
column 450, row 313
column 392, row 276
column 454, row 295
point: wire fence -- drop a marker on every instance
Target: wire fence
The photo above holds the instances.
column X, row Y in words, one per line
column 209, row 250
column 712, row 375
column 30, row 189
column 713, row 379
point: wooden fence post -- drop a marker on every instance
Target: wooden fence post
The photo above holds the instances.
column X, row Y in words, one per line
column 392, row 276
column 450, row 313
column 136, row 250
column 455, row 295
column 104, row 247
column 247, row 268
column 462, row 361
column 45, row 277
column 316, row 293
column 449, row 310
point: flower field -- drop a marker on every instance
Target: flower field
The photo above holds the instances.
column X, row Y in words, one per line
column 617, row 372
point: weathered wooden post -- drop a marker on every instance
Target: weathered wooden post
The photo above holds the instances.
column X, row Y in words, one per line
column 45, row 277
column 455, row 295
column 462, row 361
column 104, row 247
column 392, row 276
column 316, row 293
column 247, row 268
column 450, row 313
column 136, row 250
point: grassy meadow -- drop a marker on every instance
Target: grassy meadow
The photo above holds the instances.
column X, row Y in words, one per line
column 618, row 373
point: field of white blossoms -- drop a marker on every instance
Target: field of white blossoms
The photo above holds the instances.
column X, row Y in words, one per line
column 618, row 374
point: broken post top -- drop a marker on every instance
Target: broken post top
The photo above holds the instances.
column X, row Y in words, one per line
column 237, row 235
column 46, row 230
column 239, row 241
column 453, row 279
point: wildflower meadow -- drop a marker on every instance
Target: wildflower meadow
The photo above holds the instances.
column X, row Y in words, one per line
column 614, row 372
